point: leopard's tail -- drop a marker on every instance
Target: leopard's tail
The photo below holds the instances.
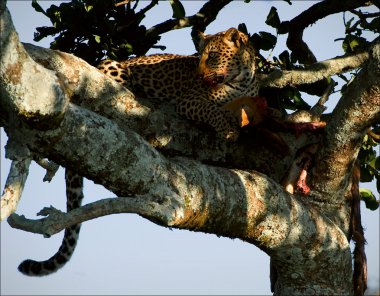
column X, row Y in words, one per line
column 74, row 194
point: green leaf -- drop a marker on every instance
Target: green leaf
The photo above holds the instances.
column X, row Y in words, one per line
column 354, row 44
column 295, row 96
column 88, row 7
column 178, row 9
column 272, row 19
column 247, row 1
column 97, row 38
column 299, row 102
column 126, row 46
column 369, row 198
column 37, row 7
column 267, row 40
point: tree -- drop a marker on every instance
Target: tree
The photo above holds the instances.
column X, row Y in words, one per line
column 178, row 190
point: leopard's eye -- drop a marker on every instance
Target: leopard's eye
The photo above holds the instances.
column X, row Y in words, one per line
column 212, row 54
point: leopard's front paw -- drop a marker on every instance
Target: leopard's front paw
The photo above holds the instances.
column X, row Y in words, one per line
column 229, row 129
column 230, row 135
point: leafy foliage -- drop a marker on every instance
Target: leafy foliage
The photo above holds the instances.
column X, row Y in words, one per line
column 94, row 29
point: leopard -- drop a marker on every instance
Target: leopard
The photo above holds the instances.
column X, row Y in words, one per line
column 222, row 71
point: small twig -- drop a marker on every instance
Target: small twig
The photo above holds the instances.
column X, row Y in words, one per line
column 365, row 14
column 50, row 167
column 14, row 186
column 123, row 2
column 362, row 20
column 320, row 107
column 148, row 7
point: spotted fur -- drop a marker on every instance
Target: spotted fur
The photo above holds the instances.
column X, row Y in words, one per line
column 223, row 71
column 74, row 194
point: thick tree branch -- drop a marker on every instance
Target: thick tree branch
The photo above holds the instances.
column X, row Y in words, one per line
column 310, row 16
column 37, row 104
column 14, row 186
column 58, row 221
column 201, row 197
column 358, row 109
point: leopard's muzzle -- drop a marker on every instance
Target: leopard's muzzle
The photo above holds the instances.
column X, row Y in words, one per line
column 213, row 80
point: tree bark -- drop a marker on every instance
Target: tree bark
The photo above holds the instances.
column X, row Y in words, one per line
column 176, row 173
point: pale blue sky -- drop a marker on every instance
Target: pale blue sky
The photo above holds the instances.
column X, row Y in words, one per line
column 125, row 254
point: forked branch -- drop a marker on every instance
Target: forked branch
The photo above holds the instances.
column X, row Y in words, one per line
column 355, row 113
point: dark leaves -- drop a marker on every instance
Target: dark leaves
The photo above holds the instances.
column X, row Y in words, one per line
column 95, row 29
column 273, row 19
column 264, row 40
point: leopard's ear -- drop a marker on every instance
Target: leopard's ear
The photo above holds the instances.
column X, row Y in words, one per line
column 232, row 35
column 235, row 36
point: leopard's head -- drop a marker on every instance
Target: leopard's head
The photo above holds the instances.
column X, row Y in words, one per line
column 225, row 57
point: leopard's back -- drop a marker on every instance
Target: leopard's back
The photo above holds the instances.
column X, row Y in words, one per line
column 162, row 76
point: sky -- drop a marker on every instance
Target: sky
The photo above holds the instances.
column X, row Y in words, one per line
column 126, row 254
